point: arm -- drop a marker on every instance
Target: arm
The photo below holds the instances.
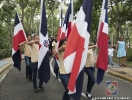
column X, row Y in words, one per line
column 22, row 43
column 90, row 47
column 31, row 42
column 116, row 47
column 62, row 48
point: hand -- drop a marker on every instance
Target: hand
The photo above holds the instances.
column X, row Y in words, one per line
column 95, row 46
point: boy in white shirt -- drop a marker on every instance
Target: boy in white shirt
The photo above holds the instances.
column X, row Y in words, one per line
column 110, row 54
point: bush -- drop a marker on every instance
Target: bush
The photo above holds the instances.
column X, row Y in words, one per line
column 5, row 53
column 129, row 55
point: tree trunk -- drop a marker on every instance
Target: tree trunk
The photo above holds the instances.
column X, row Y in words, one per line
column 22, row 16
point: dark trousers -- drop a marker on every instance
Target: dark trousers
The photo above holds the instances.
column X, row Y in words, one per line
column 64, row 79
column 91, row 79
column 34, row 66
column 28, row 67
column 50, row 50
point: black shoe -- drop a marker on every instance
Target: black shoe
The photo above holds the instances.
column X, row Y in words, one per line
column 35, row 90
column 26, row 77
column 112, row 64
column 41, row 88
column 30, row 80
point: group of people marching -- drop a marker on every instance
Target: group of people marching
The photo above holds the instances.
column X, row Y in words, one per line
column 64, row 76
column 31, row 49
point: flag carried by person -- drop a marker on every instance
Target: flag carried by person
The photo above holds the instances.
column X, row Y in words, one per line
column 55, row 55
column 102, row 43
column 60, row 26
column 67, row 25
column 43, row 61
column 18, row 37
column 75, row 57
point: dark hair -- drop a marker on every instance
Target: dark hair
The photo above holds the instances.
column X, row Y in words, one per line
column 28, row 35
column 56, row 35
column 35, row 35
column 62, row 41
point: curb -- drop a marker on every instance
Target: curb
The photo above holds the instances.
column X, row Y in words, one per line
column 128, row 78
column 5, row 67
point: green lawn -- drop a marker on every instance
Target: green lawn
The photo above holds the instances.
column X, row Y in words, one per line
column 129, row 54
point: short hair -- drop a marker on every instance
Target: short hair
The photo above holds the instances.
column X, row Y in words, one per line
column 35, row 35
column 28, row 35
column 62, row 41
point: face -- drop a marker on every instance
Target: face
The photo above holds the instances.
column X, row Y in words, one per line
column 110, row 46
column 29, row 38
column 36, row 38
column 121, row 38
column 56, row 37
column 64, row 43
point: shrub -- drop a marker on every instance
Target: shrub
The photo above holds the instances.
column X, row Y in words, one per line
column 5, row 53
column 129, row 55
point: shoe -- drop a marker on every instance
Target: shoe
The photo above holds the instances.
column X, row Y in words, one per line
column 35, row 90
column 41, row 88
column 89, row 96
column 112, row 64
column 124, row 65
column 26, row 77
column 30, row 80
column 120, row 65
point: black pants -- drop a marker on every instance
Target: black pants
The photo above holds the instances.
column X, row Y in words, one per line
column 34, row 70
column 91, row 79
column 64, row 79
column 28, row 67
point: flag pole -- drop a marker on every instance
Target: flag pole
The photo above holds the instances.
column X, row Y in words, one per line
column 72, row 10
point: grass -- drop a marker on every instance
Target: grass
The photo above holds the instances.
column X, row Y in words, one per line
column 128, row 63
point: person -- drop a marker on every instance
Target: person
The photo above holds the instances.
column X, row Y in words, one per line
column 110, row 55
column 54, row 52
column 121, row 51
column 27, row 56
column 109, row 41
column 34, row 61
column 89, row 70
column 62, row 72
column 50, row 45
column 54, row 45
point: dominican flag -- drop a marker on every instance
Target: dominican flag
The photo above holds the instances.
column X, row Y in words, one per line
column 102, row 42
column 67, row 25
column 60, row 26
column 43, row 62
column 75, row 57
column 18, row 37
column 56, row 65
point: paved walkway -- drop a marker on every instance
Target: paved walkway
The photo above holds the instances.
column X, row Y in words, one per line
column 16, row 87
column 119, row 71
